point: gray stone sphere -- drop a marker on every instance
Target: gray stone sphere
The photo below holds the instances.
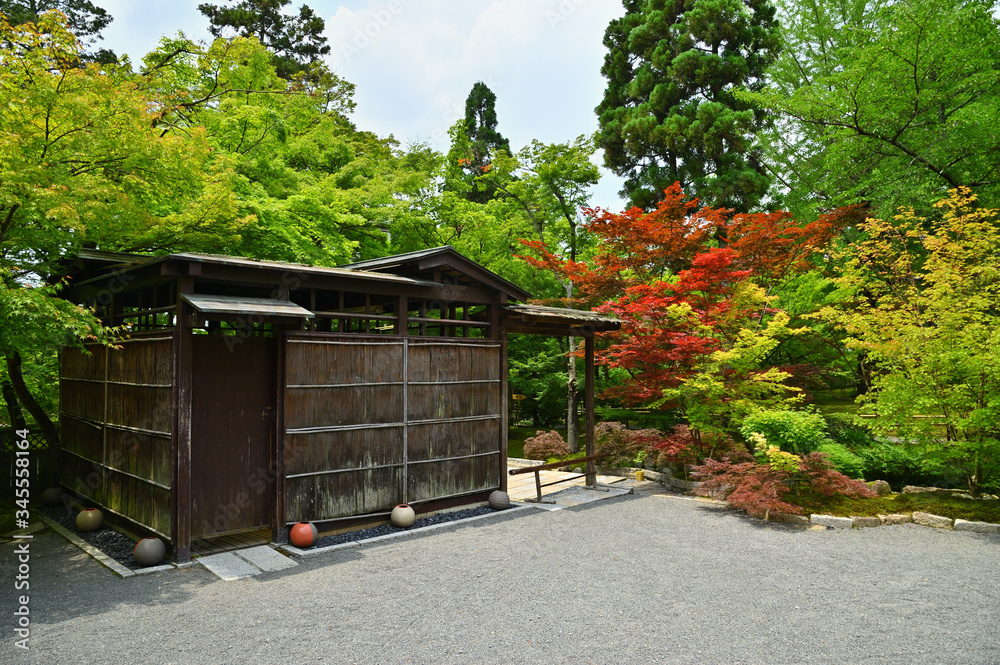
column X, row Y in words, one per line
column 499, row 500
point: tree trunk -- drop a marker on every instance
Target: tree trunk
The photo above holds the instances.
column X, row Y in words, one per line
column 28, row 401
column 13, row 406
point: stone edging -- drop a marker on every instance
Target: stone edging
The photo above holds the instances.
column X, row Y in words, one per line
column 859, row 522
column 662, row 478
column 923, row 519
column 115, row 567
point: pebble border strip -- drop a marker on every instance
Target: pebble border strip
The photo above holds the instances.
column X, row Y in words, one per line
column 115, row 567
column 300, row 553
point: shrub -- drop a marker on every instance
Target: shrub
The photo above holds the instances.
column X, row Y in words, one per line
column 750, row 486
column 849, row 429
column 684, row 446
column 760, row 488
column 545, row 445
column 622, row 445
column 897, row 464
column 843, row 459
column 798, row 432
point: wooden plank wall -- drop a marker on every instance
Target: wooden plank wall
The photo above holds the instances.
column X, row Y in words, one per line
column 454, row 420
column 116, row 419
column 372, row 422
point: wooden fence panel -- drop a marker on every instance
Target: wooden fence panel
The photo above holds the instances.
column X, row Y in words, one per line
column 116, row 421
column 373, row 422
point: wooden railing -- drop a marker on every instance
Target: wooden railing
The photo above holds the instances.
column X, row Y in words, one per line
column 553, row 465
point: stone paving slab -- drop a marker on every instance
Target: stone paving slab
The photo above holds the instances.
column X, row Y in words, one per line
column 266, row 558
column 578, row 495
column 228, row 566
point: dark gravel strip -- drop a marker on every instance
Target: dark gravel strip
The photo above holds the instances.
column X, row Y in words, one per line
column 386, row 529
column 119, row 546
column 116, row 545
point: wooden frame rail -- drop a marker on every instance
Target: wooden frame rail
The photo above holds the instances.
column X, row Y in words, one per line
column 553, row 465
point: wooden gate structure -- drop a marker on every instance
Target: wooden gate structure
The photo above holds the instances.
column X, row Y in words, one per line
column 253, row 394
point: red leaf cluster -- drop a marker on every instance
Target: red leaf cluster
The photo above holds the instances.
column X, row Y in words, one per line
column 651, row 261
column 759, row 489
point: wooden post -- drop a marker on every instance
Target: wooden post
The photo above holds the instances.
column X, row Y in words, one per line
column 279, row 533
column 589, row 406
column 496, row 332
column 180, row 528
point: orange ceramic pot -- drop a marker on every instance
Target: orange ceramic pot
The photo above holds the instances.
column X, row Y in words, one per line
column 301, row 534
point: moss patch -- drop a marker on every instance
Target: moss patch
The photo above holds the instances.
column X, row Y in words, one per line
column 946, row 506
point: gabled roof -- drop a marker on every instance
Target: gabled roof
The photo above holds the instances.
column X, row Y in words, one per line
column 447, row 262
column 437, row 266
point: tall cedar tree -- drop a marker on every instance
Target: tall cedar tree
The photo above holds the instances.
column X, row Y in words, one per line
column 296, row 41
column 484, row 139
column 669, row 112
column 86, row 20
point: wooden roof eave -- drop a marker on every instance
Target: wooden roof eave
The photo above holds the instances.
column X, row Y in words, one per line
column 158, row 270
column 444, row 257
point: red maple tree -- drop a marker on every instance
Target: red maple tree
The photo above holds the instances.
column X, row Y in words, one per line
column 671, row 276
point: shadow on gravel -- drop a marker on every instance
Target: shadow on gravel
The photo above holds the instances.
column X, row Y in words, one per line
column 66, row 583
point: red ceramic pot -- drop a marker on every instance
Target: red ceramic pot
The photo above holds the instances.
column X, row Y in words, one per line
column 301, row 535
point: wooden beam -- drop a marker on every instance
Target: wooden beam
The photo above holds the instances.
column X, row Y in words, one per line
column 588, row 402
column 402, row 312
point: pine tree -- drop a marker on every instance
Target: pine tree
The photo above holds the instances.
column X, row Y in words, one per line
column 296, row 40
column 669, row 112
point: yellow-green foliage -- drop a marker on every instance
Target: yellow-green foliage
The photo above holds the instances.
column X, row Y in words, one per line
column 925, row 316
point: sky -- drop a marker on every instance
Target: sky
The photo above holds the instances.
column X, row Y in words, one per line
column 414, row 62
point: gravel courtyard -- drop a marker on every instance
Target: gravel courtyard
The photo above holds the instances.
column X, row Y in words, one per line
column 648, row 578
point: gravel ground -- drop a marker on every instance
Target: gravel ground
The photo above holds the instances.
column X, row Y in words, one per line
column 637, row 579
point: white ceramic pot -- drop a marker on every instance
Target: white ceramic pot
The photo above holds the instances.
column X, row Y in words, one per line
column 402, row 516
column 89, row 519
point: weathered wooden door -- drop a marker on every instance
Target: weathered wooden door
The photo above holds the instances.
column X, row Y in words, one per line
column 232, row 434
